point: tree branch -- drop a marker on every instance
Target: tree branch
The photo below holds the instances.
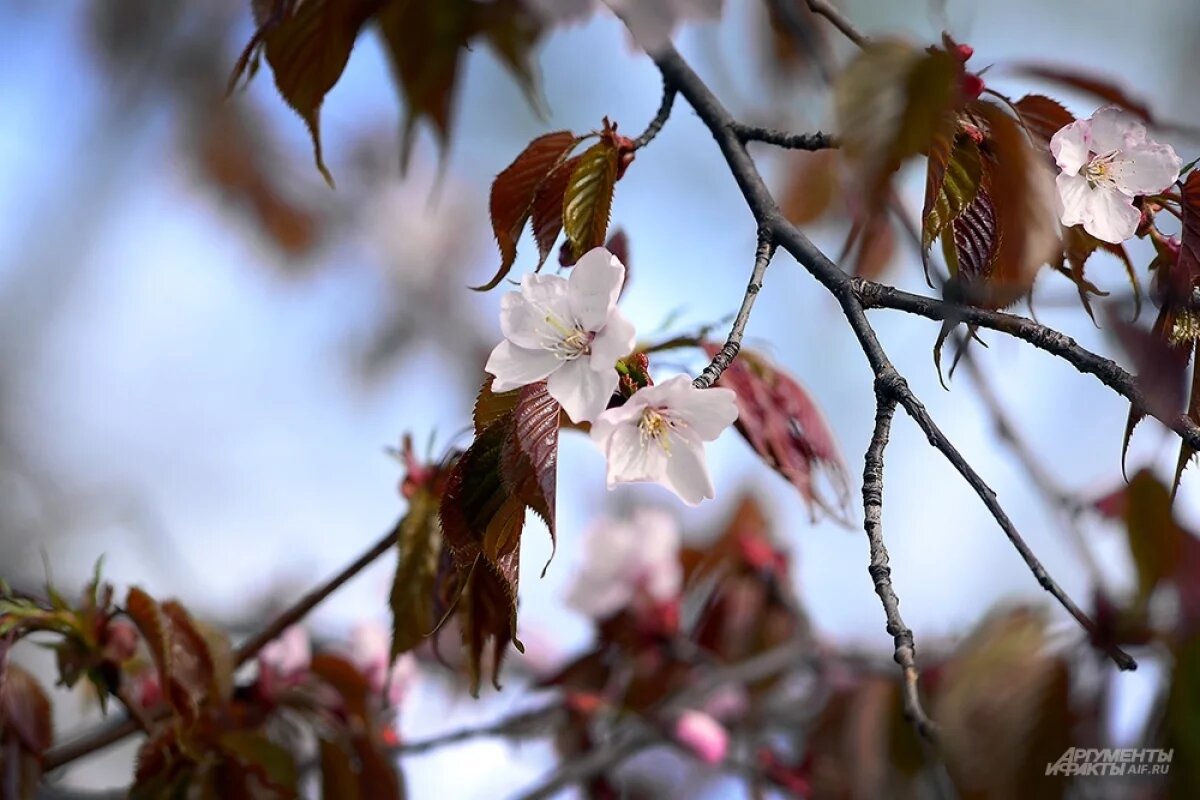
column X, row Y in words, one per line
column 789, row 141
column 660, row 118
column 881, row 573
column 733, row 345
column 878, row 295
column 849, row 294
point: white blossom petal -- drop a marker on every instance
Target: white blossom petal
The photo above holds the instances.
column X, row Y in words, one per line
column 593, row 288
column 513, row 366
column 1111, row 216
column 625, row 560
column 582, row 391
column 632, row 460
column 687, row 472
column 1070, row 146
column 1114, row 129
column 615, row 341
column 709, row 412
column 1146, row 169
column 1073, row 194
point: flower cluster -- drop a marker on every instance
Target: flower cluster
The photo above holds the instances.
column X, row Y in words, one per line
column 569, row 333
column 1106, row 162
column 630, row 564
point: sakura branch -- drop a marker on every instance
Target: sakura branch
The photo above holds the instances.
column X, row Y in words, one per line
column 788, row 141
column 838, row 20
column 881, row 573
column 846, row 291
column 660, row 118
column 733, row 345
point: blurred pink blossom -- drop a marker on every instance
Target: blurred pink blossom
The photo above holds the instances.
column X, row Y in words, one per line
column 628, row 561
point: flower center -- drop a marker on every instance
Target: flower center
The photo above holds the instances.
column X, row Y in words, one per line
column 655, row 426
column 568, row 340
column 1098, row 171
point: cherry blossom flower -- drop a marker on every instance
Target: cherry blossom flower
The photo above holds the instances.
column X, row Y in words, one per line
column 628, row 562
column 659, row 435
column 568, row 332
column 370, row 646
column 1106, row 161
column 288, row 655
column 704, row 736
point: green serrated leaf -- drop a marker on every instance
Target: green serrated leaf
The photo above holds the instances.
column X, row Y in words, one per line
column 413, row 587
column 947, row 198
column 587, row 201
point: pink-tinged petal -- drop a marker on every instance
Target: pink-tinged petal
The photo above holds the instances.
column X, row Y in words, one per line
column 1114, row 129
column 514, row 367
column 1146, row 169
column 521, row 322
column 1070, row 146
column 289, row 654
column 614, row 419
column 613, row 342
column 594, row 286
column 599, row 599
column 658, row 539
column 704, row 736
column 1111, row 216
column 401, row 679
column 687, row 472
column 1073, row 192
column 582, row 391
column 708, row 412
column 632, row 460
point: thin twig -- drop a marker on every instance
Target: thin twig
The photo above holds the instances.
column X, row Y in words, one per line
column 660, row 118
column 839, row 20
column 788, row 141
column 733, row 345
column 1060, row 500
column 521, row 723
column 300, row 609
column 881, row 573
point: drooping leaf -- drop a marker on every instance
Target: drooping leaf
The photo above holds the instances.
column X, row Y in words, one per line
column 1186, row 452
column 512, row 30
column 307, row 45
column 186, row 668
column 1152, row 531
column 786, row 428
column 876, row 248
column 1181, row 720
column 511, row 466
column 547, row 211
column 424, row 42
column 951, row 183
column 514, row 190
column 1003, row 705
column 419, row 545
column 1042, row 118
column 261, row 762
column 890, row 101
column 587, row 201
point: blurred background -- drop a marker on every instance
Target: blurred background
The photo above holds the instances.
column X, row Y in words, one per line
column 205, row 352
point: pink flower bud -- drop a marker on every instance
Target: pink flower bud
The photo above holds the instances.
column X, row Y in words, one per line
column 704, row 736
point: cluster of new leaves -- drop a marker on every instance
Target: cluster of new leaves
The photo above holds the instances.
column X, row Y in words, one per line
column 307, row 43
column 208, row 736
column 553, row 191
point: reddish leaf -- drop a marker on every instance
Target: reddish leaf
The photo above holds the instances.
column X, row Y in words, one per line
column 547, row 211
column 1042, row 118
column 25, row 713
column 1089, row 84
column 509, row 467
column 785, row 427
column 307, row 45
column 972, row 249
column 876, row 248
column 1186, row 452
column 186, row 668
column 588, row 197
column 514, row 190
